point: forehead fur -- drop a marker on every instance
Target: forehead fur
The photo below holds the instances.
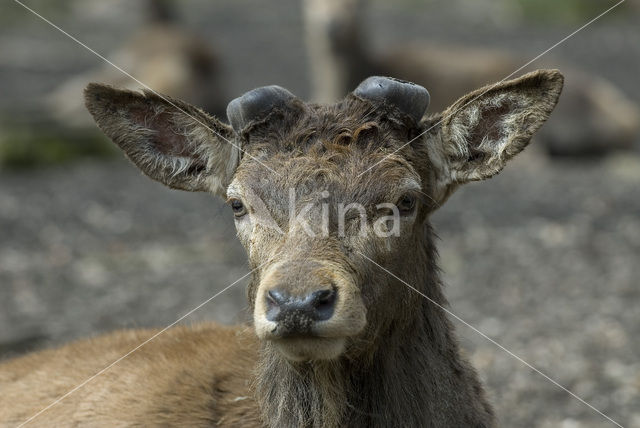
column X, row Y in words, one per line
column 311, row 146
column 334, row 168
column 302, row 127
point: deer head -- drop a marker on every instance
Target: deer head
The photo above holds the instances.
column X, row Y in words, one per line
column 320, row 191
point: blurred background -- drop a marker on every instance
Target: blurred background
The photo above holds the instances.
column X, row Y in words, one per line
column 543, row 258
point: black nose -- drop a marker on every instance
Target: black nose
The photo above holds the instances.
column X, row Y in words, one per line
column 297, row 314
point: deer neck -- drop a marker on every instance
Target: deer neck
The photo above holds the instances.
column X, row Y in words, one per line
column 414, row 376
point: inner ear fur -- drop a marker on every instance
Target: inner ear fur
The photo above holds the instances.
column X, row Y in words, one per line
column 487, row 127
column 481, row 131
column 171, row 141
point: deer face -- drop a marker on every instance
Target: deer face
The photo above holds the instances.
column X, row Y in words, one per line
column 321, row 194
column 307, row 220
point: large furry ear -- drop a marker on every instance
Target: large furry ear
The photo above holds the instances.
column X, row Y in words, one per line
column 170, row 141
column 484, row 129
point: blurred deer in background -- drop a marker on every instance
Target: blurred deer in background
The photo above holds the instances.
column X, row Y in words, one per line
column 338, row 337
column 162, row 54
column 593, row 117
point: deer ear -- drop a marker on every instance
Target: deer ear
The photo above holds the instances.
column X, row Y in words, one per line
column 484, row 129
column 170, row 141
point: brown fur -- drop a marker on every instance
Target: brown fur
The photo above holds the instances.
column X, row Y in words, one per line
column 387, row 356
column 187, row 376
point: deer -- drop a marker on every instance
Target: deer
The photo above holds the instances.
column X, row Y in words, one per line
column 349, row 325
column 594, row 117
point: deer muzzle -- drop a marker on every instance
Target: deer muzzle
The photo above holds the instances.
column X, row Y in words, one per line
column 308, row 309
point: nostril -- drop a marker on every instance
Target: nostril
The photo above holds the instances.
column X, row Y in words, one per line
column 276, row 302
column 324, row 296
column 323, row 302
column 276, row 297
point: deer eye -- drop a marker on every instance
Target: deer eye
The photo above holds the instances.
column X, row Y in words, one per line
column 406, row 204
column 237, row 207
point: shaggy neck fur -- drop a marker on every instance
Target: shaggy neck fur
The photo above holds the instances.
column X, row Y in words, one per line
column 413, row 374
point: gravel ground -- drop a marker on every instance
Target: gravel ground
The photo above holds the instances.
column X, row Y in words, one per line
column 543, row 258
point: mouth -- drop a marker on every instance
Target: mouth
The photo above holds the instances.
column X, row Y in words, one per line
column 320, row 341
column 308, row 348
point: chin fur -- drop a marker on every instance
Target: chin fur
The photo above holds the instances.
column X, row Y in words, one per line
column 307, row 349
column 300, row 393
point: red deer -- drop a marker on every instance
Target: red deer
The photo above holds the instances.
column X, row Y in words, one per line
column 337, row 338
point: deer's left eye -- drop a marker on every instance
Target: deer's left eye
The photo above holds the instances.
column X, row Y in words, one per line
column 406, row 204
column 237, row 207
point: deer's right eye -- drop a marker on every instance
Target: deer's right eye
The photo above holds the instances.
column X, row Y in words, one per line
column 406, row 204
column 237, row 207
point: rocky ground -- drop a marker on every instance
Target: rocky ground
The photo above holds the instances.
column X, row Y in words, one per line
column 543, row 258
